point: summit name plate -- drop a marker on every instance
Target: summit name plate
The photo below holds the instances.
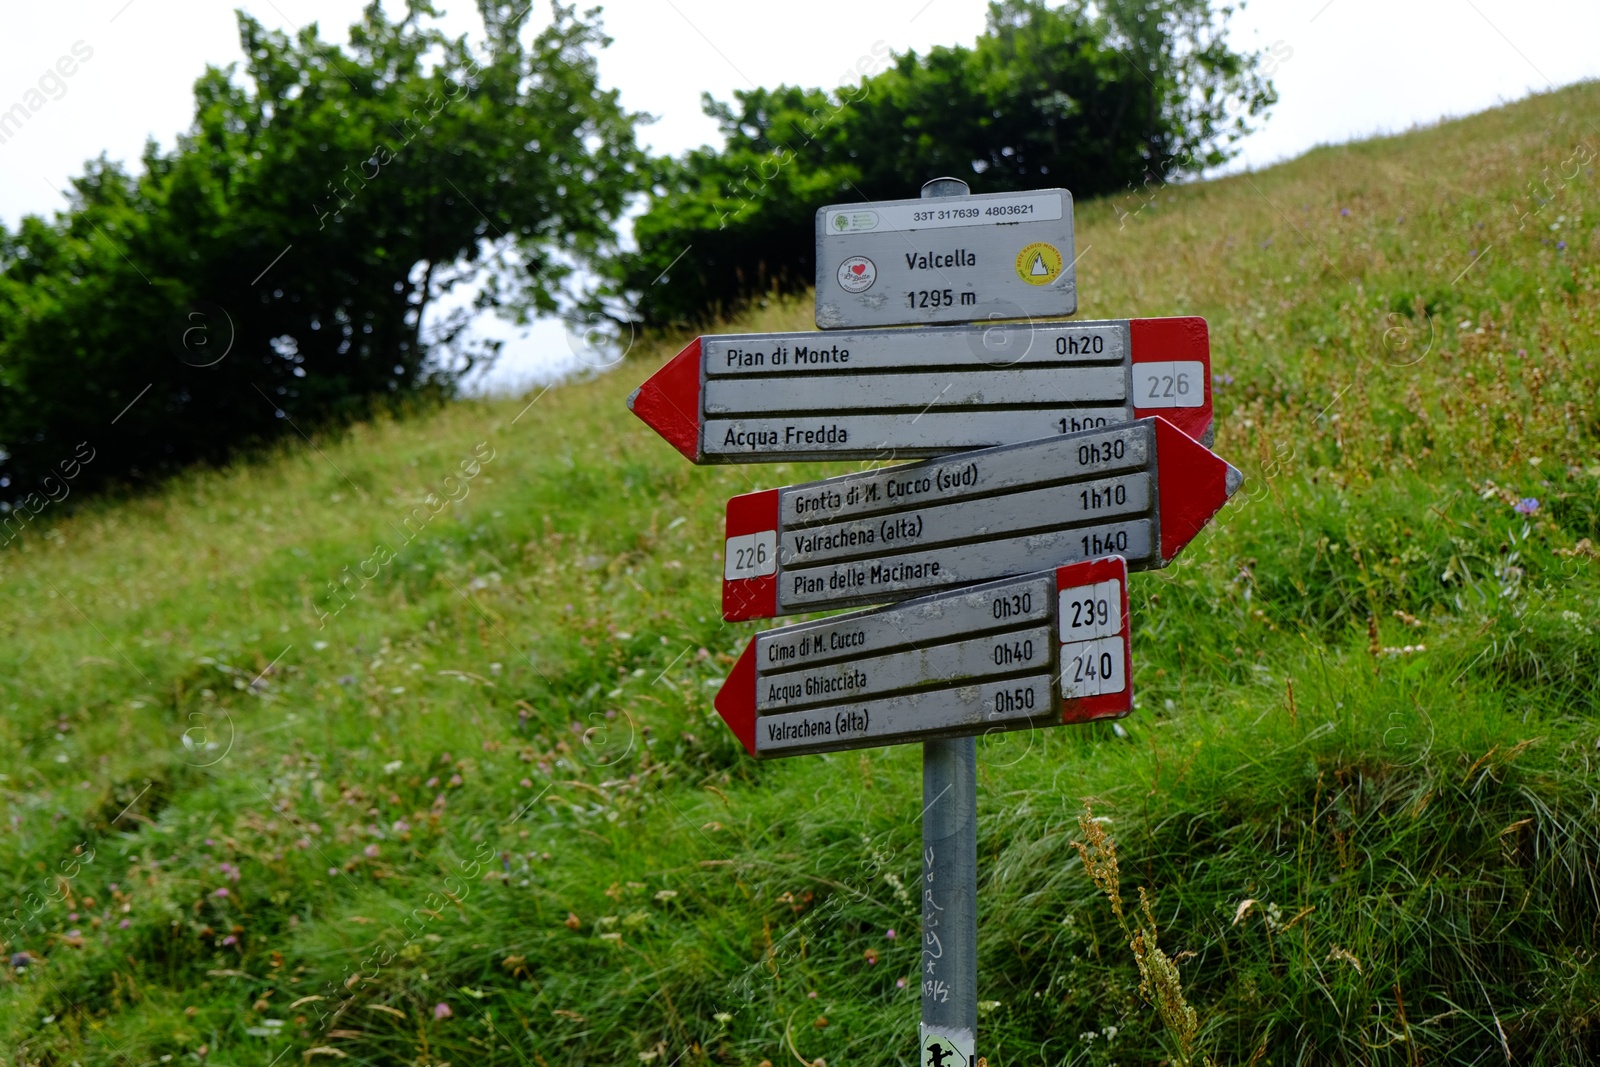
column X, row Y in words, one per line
column 990, row 257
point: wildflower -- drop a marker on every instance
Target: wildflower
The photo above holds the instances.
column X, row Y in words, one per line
column 332, row 871
column 890, row 935
column 1526, row 506
column 230, row 940
column 1344, row 213
column 442, row 1010
column 219, row 892
column 455, row 781
column 400, row 826
column 432, row 783
column 1561, row 246
column 72, row 916
column 811, row 995
column 899, row 983
column 371, row 852
column 871, row 957
column 124, row 924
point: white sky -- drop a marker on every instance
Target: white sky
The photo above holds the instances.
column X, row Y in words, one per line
column 1345, row 69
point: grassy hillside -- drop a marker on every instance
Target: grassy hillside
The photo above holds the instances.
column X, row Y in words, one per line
column 304, row 763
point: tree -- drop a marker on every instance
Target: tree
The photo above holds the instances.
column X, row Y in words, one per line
column 1090, row 96
column 273, row 268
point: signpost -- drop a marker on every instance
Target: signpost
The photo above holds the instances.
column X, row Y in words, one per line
column 1042, row 650
column 872, row 394
column 1065, row 454
column 1141, row 491
column 958, row 259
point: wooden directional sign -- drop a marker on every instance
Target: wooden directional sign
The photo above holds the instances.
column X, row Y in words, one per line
column 1141, row 491
column 1042, row 650
column 950, row 259
column 883, row 394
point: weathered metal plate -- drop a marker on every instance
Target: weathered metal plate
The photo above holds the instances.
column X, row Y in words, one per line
column 951, row 259
column 1140, row 491
column 886, row 394
column 1001, row 656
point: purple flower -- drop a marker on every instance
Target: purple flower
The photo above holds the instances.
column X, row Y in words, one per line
column 1526, row 506
column 1344, row 212
column 890, row 935
column 332, row 871
column 371, row 852
column 1561, row 246
column 230, row 940
column 72, row 916
column 899, row 983
column 219, row 892
column 442, row 1010
column 124, row 924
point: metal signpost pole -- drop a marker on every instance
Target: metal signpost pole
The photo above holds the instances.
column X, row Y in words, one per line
column 949, row 965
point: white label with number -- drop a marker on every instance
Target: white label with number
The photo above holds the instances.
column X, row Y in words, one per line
column 751, row 556
column 1090, row 611
column 1179, row 384
column 1092, row 668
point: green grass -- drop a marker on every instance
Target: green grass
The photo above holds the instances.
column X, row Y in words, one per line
column 492, row 779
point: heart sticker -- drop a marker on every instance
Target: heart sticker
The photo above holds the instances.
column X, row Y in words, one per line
column 857, row 274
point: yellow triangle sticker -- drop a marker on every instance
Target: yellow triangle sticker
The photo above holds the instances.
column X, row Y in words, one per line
column 1039, row 263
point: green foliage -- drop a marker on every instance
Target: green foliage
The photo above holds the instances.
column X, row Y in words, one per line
column 1090, row 97
column 272, row 270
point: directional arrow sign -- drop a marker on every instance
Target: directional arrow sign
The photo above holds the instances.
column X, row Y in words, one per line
column 1042, row 650
column 881, row 394
column 1141, row 491
column 952, row 259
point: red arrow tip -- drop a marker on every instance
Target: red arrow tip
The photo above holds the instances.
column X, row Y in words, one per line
column 736, row 700
column 669, row 401
column 1184, row 339
column 1194, row 483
